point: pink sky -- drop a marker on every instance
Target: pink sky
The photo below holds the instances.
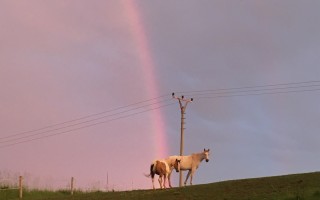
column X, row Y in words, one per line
column 61, row 61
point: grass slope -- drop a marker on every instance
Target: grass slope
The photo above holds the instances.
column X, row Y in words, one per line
column 288, row 187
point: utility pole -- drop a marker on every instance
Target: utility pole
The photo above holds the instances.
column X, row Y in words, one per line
column 20, row 187
column 72, row 185
column 183, row 106
column 107, row 182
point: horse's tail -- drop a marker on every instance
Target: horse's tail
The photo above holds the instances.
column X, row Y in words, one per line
column 151, row 172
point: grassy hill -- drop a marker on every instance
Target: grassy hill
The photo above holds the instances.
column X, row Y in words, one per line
column 289, row 187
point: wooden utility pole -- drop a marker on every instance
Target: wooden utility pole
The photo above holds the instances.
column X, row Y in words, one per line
column 183, row 108
column 20, row 187
column 72, row 185
column 107, row 182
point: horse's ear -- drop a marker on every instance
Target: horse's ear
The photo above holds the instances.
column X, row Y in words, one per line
column 204, row 149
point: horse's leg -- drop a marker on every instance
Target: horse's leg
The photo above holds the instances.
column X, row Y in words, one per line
column 160, row 181
column 164, row 182
column 152, row 175
column 153, row 182
column 191, row 177
column 185, row 182
column 169, row 178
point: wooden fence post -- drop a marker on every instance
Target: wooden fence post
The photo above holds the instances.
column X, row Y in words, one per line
column 20, row 186
column 72, row 185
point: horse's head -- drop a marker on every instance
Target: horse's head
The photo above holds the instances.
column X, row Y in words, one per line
column 206, row 154
column 177, row 165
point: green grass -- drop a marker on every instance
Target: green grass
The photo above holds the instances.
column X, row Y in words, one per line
column 290, row 187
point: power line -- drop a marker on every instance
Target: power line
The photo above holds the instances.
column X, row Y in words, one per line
column 88, row 116
column 82, row 127
column 79, row 123
column 259, row 90
column 248, row 87
column 51, row 130
column 30, row 135
column 256, row 90
column 257, row 94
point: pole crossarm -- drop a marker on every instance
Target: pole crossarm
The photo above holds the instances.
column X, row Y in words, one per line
column 182, row 99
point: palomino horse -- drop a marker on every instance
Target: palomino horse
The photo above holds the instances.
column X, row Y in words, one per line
column 162, row 169
column 190, row 162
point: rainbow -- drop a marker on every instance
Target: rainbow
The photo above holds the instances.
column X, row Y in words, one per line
column 148, row 67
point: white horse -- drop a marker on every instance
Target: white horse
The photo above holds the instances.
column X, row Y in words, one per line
column 190, row 162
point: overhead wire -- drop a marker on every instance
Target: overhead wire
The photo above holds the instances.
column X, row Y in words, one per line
column 85, row 117
column 249, row 87
column 76, row 124
column 85, row 126
column 135, row 109
column 293, row 87
column 257, row 94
